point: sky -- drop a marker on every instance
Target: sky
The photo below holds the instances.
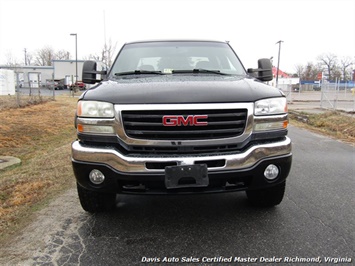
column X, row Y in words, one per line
column 308, row 28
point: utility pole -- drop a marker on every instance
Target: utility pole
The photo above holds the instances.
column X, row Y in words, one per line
column 278, row 64
column 105, row 57
column 76, row 60
column 25, row 57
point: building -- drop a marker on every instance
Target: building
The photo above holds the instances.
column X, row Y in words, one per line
column 285, row 81
column 7, row 82
column 31, row 76
column 281, row 73
column 63, row 71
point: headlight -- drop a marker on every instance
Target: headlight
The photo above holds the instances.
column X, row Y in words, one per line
column 271, row 106
column 95, row 109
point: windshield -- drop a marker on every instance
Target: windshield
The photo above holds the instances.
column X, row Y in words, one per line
column 177, row 57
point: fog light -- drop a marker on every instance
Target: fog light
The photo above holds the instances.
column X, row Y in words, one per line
column 271, row 172
column 96, row 177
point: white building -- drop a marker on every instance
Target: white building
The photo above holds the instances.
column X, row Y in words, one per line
column 66, row 70
column 7, row 82
column 31, row 76
column 61, row 70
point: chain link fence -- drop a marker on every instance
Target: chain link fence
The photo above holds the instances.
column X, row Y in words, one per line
column 331, row 96
column 335, row 96
column 28, row 94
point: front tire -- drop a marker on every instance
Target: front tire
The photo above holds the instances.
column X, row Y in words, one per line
column 92, row 201
column 267, row 197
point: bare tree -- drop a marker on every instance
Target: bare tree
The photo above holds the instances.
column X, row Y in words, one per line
column 29, row 58
column 62, row 55
column 336, row 73
column 106, row 56
column 310, row 71
column 11, row 61
column 299, row 70
column 330, row 61
column 44, row 56
column 108, row 52
column 345, row 62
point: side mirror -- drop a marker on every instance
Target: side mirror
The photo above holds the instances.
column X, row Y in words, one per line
column 90, row 72
column 264, row 70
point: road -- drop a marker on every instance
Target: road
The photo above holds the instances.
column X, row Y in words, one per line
column 315, row 221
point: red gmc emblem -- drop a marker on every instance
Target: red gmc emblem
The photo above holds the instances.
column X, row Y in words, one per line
column 179, row 120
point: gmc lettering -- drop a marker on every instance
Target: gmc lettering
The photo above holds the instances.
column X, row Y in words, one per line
column 190, row 120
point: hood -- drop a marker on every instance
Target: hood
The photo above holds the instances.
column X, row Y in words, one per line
column 180, row 89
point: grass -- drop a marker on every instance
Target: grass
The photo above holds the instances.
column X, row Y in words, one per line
column 334, row 124
column 40, row 135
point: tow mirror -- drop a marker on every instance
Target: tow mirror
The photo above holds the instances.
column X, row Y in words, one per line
column 264, row 70
column 90, row 72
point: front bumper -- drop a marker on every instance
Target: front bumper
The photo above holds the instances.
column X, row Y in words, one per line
column 240, row 170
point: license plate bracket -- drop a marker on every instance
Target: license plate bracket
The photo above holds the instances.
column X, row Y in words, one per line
column 184, row 176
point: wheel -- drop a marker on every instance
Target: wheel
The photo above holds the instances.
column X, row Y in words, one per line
column 93, row 201
column 267, row 197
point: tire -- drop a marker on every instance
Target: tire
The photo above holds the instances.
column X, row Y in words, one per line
column 267, row 197
column 92, row 201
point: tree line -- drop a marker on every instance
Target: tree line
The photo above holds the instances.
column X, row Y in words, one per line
column 41, row 57
column 330, row 65
column 46, row 55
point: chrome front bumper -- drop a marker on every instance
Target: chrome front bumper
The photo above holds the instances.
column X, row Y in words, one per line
column 128, row 164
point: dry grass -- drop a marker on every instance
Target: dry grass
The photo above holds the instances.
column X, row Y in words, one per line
column 333, row 124
column 40, row 135
column 10, row 101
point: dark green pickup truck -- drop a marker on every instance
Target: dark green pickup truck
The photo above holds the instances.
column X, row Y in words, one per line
column 180, row 117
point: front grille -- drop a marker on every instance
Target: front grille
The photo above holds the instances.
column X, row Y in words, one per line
column 149, row 124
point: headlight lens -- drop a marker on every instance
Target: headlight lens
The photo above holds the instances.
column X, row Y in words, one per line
column 271, row 106
column 95, row 109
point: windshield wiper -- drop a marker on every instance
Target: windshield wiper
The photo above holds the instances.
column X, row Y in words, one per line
column 200, row 70
column 138, row 72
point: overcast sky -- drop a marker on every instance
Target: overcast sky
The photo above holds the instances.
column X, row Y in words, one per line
column 307, row 27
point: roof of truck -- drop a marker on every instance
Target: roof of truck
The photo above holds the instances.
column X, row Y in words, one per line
column 176, row 40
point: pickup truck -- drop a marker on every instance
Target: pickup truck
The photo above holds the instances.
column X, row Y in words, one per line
column 180, row 117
